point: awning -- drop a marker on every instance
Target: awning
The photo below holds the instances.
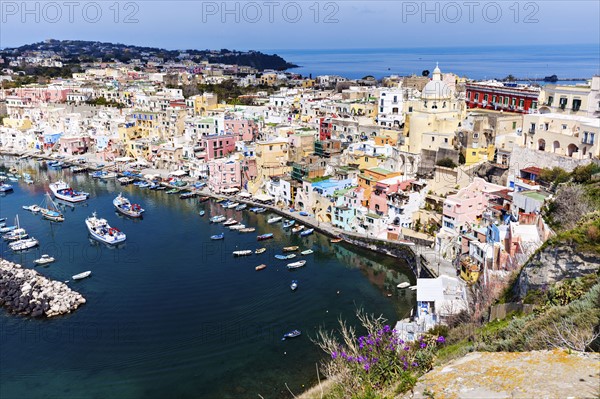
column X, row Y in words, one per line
column 178, row 173
column 263, row 197
column 245, row 195
column 230, row 190
column 123, row 159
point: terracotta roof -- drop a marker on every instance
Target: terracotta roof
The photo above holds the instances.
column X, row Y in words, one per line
column 534, row 170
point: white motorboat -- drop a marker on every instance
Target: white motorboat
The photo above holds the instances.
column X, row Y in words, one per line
column 307, row 252
column 81, row 275
column 237, row 227
column 232, row 205
column 101, row 230
column 22, row 245
column 296, row 265
column 32, row 208
column 16, row 234
column 242, row 253
column 45, row 259
column 403, row 285
column 230, row 222
column 274, row 219
column 63, row 191
column 125, row 207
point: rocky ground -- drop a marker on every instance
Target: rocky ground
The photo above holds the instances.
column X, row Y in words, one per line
column 538, row 374
column 26, row 292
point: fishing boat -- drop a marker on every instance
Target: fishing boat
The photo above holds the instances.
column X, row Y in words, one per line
column 202, row 213
column 260, row 250
column 247, row 230
column 24, row 244
column 260, row 210
column 245, row 252
column 32, row 208
column 241, row 207
column 218, row 236
column 237, row 227
column 274, row 219
column 285, row 257
column 230, row 222
column 296, row 265
column 260, row 267
column 50, row 211
column 81, row 275
column 306, row 232
column 6, row 229
column 45, row 259
column 233, row 205
column 288, row 223
column 291, row 334
column 264, row 237
column 307, row 252
column 5, row 188
column 336, row 240
column 218, row 219
column 403, row 285
column 124, row 206
column 61, row 190
column 290, row 249
column 294, row 285
column 16, row 234
column 297, row 229
column 203, row 199
column 102, row 231
column 187, row 195
column 125, row 180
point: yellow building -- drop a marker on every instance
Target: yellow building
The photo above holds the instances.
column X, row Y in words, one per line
column 271, row 157
column 364, row 161
column 204, row 103
column 134, row 143
column 17, row 123
column 268, row 79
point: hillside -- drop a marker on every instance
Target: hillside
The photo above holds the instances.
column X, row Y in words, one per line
column 77, row 51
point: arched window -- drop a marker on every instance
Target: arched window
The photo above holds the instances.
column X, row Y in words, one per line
column 555, row 147
column 542, row 145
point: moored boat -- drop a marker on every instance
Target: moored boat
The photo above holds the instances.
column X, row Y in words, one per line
column 288, row 223
column 260, row 267
column 124, row 206
column 307, row 232
column 16, row 234
column 291, row 334
column 285, row 257
column 245, row 252
column 50, row 211
column 230, row 222
column 260, row 210
column 336, row 240
column 294, row 285
column 45, row 259
column 125, row 180
column 63, row 191
column 241, row 207
column 202, row 213
column 102, row 231
column 296, row 265
column 297, row 229
column 290, row 249
column 233, row 205
column 264, row 236
column 274, row 219
column 22, row 245
column 247, row 230
column 6, row 229
column 218, row 236
column 5, row 188
column 403, row 285
column 260, row 250
column 237, row 227
column 307, row 252
column 218, row 219
column 81, row 275
column 32, row 208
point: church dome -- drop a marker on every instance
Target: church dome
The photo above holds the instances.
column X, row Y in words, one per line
column 437, row 90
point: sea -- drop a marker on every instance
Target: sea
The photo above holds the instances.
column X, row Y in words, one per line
column 581, row 61
column 171, row 313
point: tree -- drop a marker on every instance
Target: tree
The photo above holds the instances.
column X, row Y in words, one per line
column 446, row 162
column 461, row 159
column 569, row 205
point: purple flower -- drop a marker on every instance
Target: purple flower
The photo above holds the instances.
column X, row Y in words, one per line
column 386, row 329
column 407, row 348
column 367, row 367
column 415, row 364
column 423, row 345
column 441, row 340
column 333, row 355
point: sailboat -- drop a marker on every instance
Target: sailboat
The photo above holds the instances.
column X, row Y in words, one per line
column 16, row 234
column 50, row 211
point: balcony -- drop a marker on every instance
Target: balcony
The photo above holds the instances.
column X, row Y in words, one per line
column 531, row 131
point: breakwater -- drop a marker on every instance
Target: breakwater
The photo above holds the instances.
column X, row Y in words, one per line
column 26, row 292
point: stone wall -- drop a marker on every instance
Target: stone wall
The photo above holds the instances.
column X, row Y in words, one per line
column 26, row 292
column 521, row 158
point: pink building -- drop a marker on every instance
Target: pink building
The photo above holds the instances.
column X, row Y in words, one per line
column 43, row 94
column 74, row 145
column 216, row 146
column 384, row 189
column 242, row 129
column 468, row 204
column 224, row 175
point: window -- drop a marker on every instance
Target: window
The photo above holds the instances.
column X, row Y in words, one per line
column 563, row 102
column 494, row 99
column 445, row 140
column 534, row 105
column 564, row 127
column 433, row 139
column 395, row 99
column 591, row 141
column 473, row 154
column 521, row 103
column 506, row 100
column 576, row 104
column 410, row 109
column 485, row 97
column 476, row 96
column 514, row 125
column 513, row 102
column 585, row 137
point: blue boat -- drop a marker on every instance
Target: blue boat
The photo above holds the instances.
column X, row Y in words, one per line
column 218, row 236
column 291, row 334
column 303, row 213
column 288, row 223
column 307, row 232
column 264, row 236
column 284, row 257
column 4, row 188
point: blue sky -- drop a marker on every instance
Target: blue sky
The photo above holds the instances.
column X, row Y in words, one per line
column 266, row 25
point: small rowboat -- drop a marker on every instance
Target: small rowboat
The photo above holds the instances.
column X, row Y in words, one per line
column 217, row 236
column 307, row 252
column 403, row 285
column 202, row 213
column 291, row 334
column 296, row 265
column 297, row 229
column 290, row 249
column 260, row 250
column 285, row 257
column 264, row 237
column 336, row 240
column 242, row 253
column 307, row 232
column 260, row 267
column 247, row 230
